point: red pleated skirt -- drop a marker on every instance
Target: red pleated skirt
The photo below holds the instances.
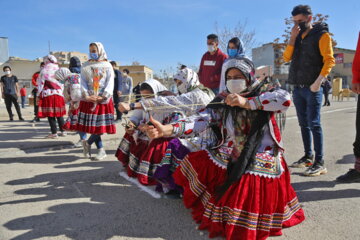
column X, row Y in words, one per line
column 253, row 208
column 123, row 150
column 51, row 106
column 150, row 159
column 98, row 120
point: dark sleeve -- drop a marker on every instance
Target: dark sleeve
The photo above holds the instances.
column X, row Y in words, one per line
column 2, row 79
column 16, row 80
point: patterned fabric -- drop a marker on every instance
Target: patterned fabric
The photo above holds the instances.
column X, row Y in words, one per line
column 48, row 74
column 266, row 165
column 255, row 207
column 188, row 77
column 249, row 220
column 97, row 121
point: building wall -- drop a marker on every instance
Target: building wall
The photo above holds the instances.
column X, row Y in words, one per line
column 343, row 69
column 264, row 55
column 23, row 70
column 139, row 73
column 64, row 57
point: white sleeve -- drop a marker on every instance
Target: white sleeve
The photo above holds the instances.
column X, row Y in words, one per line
column 109, row 87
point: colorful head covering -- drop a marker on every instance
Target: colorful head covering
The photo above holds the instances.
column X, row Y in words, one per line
column 245, row 65
column 188, row 77
column 241, row 48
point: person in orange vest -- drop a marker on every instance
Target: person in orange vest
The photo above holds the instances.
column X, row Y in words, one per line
column 23, row 96
column 353, row 175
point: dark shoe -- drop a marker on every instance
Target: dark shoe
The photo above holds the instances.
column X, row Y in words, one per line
column 316, row 169
column 350, row 177
column 305, row 161
column 172, row 194
column 21, row 119
column 11, row 119
column 37, row 119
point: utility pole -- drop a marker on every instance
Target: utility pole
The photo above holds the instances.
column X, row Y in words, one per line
column 49, row 45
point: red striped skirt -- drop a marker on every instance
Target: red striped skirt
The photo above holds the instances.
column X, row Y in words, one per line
column 96, row 121
column 51, row 106
column 255, row 207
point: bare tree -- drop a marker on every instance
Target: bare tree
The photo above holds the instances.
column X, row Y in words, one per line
column 240, row 30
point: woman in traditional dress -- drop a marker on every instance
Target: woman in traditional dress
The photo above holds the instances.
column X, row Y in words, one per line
column 51, row 99
column 96, row 110
column 238, row 188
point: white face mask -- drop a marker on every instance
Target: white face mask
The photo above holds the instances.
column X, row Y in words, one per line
column 7, row 72
column 182, row 88
column 236, row 85
column 211, row 48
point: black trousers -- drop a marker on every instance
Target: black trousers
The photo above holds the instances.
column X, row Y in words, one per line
column 9, row 100
column 52, row 122
column 326, row 96
column 36, row 107
column 116, row 104
column 357, row 138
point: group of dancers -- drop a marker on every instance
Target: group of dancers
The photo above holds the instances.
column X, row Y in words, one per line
column 223, row 154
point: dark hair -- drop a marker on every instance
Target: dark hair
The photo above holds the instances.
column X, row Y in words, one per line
column 6, row 68
column 24, row 86
column 183, row 66
column 235, row 41
column 213, row 37
column 301, row 9
column 145, row 86
column 126, row 70
column 42, row 63
column 113, row 63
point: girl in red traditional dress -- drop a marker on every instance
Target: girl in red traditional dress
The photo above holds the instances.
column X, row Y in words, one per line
column 96, row 110
column 238, row 188
column 51, row 99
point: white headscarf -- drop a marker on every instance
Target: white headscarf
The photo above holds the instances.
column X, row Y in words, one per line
column 188, row 77
column 155, row 85
column 245, row 65
column 50, row 59
column 101, row 51
column 62, row 74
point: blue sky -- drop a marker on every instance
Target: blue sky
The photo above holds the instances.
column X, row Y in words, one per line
column 157, row 33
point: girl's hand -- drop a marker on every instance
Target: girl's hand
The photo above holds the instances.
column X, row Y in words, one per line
column 235, row 100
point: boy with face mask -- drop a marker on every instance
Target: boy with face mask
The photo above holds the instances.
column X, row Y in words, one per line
column 211, row 64
column 311, row 54
column 10, row 92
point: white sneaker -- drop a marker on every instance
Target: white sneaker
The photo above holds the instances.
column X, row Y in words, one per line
column 86, row 149
column 79, row 144
column 101, row 155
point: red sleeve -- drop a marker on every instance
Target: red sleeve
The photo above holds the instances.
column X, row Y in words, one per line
column 200, row 68
column 220, row 60
column 34, row 79
column 356, row 64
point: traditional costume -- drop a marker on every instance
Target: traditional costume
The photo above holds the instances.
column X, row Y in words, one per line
column 239, row 188
column 97, row 78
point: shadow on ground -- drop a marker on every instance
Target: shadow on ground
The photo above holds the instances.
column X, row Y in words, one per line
column 116, row 208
